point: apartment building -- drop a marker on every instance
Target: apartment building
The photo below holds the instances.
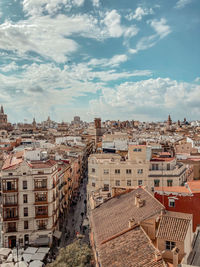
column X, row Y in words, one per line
column 30, row 199
column 139, row 168
column 106, row 171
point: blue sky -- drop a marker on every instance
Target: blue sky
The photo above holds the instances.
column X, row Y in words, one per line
column 114, row 59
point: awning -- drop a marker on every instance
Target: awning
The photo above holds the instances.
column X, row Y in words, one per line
column 27, row 257
column 42, row 241
column 31, row 250
column 21, row 264
column 57, row 234
column 36, row 264
column 5, row 252
column 43, row 250
column 39, row 256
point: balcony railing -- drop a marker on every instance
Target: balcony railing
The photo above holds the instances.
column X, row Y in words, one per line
column 40, row 188
column 11, row 229
column 41, row 215
column 10, row 190
column 42, row 227
column 11, row 218
column 10, row 203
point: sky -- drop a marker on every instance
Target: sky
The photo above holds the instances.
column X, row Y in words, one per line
column 114, row 59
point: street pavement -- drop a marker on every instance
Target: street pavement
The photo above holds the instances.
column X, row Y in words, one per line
column 73, row 223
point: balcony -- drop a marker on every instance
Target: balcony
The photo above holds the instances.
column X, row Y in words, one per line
column 11, row 218
column 179, row 170
column 10, row 203
column 42, row 227
column 11, row 229
column 40, row 188
column 10, row 190
column 41, row 215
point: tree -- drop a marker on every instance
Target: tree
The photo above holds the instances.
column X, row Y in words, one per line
column 77, row 254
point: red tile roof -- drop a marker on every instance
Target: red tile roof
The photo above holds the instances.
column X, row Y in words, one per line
column 112, row 217
column 174, row 226
column 42, row 164
column 129, row 250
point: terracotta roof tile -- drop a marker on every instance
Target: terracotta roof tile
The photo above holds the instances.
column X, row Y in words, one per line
column 112, row 216
column 41, row 164
column 174, row 226
column 129, row 250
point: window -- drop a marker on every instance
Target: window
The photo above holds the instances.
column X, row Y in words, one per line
column 106, row 171
column 41, row 210
column 25, row 224
column 40, row 172
column 93, row 184
column 10, row 173
column 41, row 184
column 25, row 212
column 117, row 171
column 117, row 182
column 41, row 197
column 154, row 167
column 139, row 171
column 25, row 185
column 156, row 183
column 25, row 198
column 137, row 150
column 93, row 170
column 24, row 173
column 140, row 182
column 169, row 245
column 128, row 182
column 171, row 202
column 42, row 224
column 168, row 166
column 106, row 187
column 169, row 182
column 128, row 171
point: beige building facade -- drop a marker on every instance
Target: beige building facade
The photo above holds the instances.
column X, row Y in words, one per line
column 30, row 201
column 139, row 168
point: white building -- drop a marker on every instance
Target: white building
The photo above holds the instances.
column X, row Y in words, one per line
column 29, row 199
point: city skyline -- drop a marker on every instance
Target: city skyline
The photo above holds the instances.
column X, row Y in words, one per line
column 93, row 58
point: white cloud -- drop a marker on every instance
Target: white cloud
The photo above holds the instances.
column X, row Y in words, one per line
column 197, row 79
column 9, row 67
column 43, row 87
column 182, row 3
column 105, row 62
column 96, row 3
column 112, row 21
column 148, row 99
column 160, row 26
column 161, row 30
column 39, row 7
column 139, row 13
column 114, row 28
column 50, row 36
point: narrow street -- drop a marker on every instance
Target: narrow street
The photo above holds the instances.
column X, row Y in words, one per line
column 75, row 218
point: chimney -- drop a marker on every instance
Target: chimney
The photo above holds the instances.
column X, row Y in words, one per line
column 131, row 223
column 138, row 201
column 137, row 197
column 175, row 252
column 163, row 212
column 158, row 255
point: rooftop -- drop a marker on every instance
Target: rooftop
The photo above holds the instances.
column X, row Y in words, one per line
column 174, row 226
column 133, row 248
column 111, row 217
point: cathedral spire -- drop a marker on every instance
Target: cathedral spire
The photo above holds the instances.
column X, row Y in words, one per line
column 2, row 111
